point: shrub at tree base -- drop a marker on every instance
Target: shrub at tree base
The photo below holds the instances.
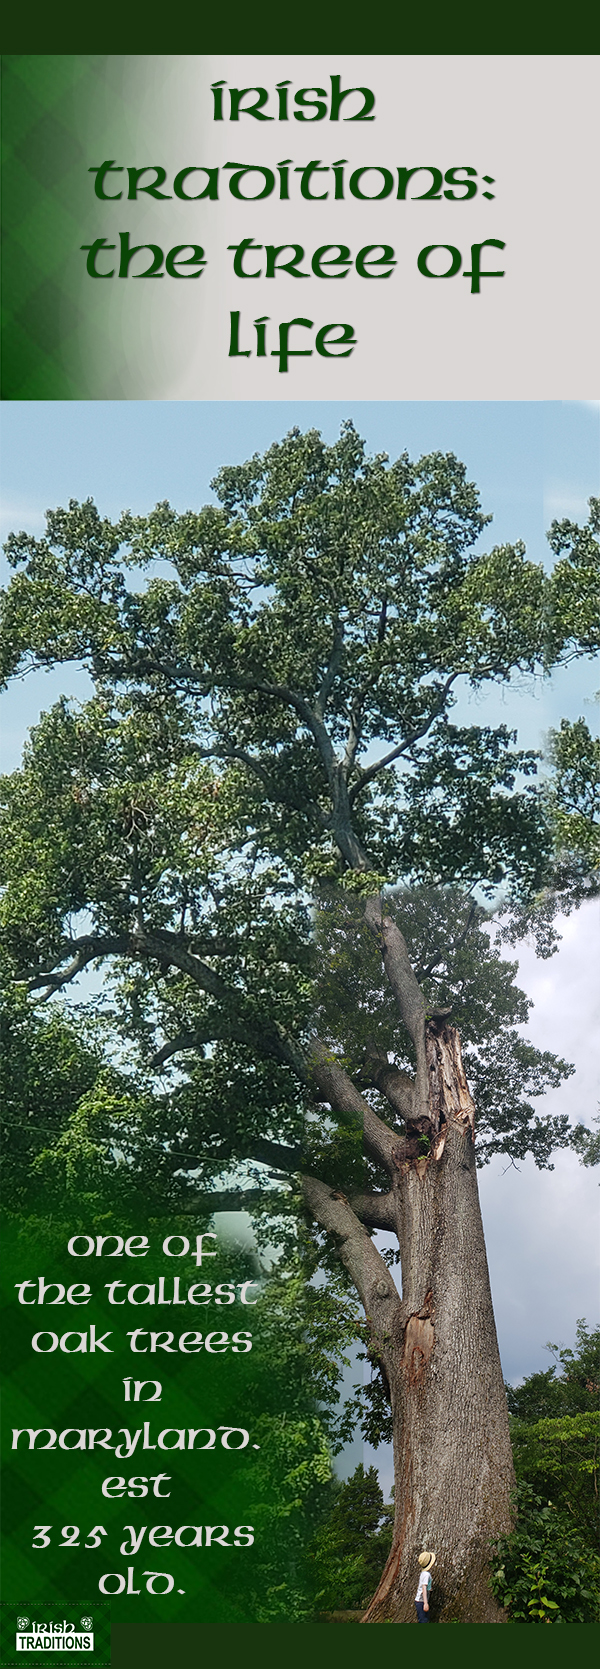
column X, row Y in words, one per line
column 543, row 1572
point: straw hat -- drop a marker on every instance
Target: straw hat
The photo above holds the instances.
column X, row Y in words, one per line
column 426, row 1560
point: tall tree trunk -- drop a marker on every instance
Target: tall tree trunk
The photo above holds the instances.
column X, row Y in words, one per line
column 453, row 1459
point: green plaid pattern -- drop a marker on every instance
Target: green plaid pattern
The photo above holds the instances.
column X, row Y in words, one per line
column 54, row 329
column 64, row 1487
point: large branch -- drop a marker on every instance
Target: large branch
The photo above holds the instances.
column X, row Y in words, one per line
column 279, row 795
column 336, row 1087
column 285, row 1158
column 212, row 1031
column 406, row 989
column 331, row 671
column 88, row 948
column 169, row 950
column 398, row 1087
column 376, row 1211
column 366, row 776
column 364, row 1263
column 240, row 682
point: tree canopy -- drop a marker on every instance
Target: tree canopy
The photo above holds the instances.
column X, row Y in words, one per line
column 309, row 632
column 275, row 676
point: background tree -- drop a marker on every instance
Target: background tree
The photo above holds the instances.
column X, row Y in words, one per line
column 272, row 716
column 351, row 1548
column 46, row 1068
column 555, row 1431
column 570, row 1386
column 548, row 1569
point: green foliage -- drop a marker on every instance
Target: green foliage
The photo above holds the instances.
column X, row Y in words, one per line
column 575, row 792
column 48, row 1065
column 457, row 958
column 293, row 1378
column 571, row 1386
column 555, row 1431
column 274, row 681
column 350, row 1550
column 575, row 585
column 587, row 1142
column 330, row 601
column 561, row 1457
column 544, row 1572
column 571, row 795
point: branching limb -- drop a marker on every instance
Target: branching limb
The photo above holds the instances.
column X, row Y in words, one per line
column 275, row 793
column 214, row 1030
column 407, row 991
column 330, row 672
column 423, row 970
column 288, row 1159
column 376, row 1211
column 182, row 675
column 364, row 1263
column 168, row 950
column 336, row 1087
column 398, row 1087
column 352, row 740
column 311, row 718
column 364, row 777
column 86, row 949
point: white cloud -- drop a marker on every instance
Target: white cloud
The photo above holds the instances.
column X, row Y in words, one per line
column 15, row 518
column 561, row 502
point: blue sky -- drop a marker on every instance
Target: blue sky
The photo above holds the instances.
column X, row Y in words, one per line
column 532, row 462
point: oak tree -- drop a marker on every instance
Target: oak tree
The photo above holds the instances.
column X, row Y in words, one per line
column 270, row 826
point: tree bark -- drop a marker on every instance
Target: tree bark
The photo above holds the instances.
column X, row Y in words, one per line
column 452, row 1452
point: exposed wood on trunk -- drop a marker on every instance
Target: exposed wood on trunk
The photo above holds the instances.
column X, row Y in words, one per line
column 419, row 1340
column 449, row 1094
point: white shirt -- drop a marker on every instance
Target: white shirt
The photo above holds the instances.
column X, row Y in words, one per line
column 424, row 1585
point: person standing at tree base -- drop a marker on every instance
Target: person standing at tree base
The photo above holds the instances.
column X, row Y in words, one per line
column 426, row 1561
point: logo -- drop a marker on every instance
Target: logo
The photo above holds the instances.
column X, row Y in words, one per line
column 61, row 1636
column 55, row 1630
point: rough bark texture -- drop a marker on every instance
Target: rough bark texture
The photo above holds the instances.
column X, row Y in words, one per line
column 436, row 1345
column 453, row 1460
